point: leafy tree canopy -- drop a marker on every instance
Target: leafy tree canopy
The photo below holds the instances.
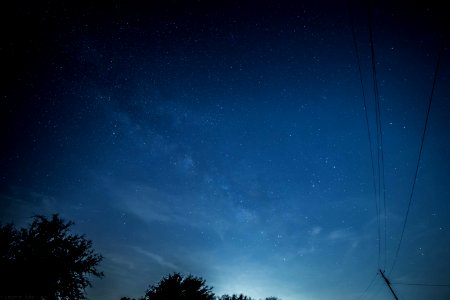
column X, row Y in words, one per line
column 242, row 297
column 45, row 261
column 177, row 287
column 234, row 297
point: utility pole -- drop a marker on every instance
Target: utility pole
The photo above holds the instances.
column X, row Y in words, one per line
column 389, row 285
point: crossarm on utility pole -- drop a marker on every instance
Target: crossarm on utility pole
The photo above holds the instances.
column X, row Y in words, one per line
column 388, row 284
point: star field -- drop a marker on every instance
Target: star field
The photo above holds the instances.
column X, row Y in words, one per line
column 229, row 140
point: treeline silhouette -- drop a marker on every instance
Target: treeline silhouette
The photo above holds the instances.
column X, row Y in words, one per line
column 46, row 261
column 176, row 287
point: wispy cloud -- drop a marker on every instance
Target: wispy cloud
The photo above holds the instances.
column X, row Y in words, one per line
column 156, row 258
column 152, row 205
column 315, row 230
column 306, row 250
column 120, row 260
column 339, row 234
column 23, row 203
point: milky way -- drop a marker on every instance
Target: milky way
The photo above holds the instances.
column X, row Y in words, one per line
column 229, row 140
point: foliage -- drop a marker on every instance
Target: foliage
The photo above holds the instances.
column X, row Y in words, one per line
column 234, row 297
column 242, row 297
column 45, row 261
column 177, row 287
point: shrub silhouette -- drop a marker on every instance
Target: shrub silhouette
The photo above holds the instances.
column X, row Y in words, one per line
column 45, row 261
column 234, row 297
column 177, row 287
column 241, row 297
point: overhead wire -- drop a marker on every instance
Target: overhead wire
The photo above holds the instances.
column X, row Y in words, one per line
column 368, row 287
column 436, row 71
column 379, row 178
column 380, row 150
column 421, row 284
column 377, row 291
column 374, row 177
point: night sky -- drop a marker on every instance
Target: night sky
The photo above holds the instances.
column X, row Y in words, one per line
column 229, row 140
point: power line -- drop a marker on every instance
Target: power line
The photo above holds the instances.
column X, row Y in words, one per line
column 438, row 62
column 378, row 290
column 368, row 287
column 355, row 44
column 422, row 284
column 380, row 151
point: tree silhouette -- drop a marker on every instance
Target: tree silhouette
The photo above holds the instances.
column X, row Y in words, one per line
column 177, row 287
column 242, row 297
column 234, row 297
column 45, row 261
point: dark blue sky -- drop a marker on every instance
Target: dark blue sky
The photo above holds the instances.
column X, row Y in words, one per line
column 229, row 140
